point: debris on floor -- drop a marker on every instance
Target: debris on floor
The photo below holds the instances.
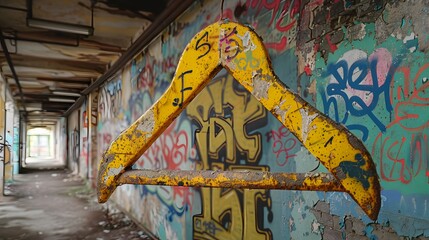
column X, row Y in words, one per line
column 55, row 204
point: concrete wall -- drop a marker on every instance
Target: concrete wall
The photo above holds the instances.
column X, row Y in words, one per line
column 8, row 135
column 5, row 166
column 83, row 143
column 16, row 140
column 88, row 148
column 9, row 128
column 365, row 65
column 61, row 143
column 74, row 139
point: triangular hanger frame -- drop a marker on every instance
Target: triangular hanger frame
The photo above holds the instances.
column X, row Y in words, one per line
column 240, row 50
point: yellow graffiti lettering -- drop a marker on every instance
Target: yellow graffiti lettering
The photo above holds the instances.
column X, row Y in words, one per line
column 223, row 219
column 231, row 214
column 223, row 113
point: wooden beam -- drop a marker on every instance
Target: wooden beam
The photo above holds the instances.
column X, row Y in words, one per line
column 46, row 96
column 49, row 37
column 59, row 64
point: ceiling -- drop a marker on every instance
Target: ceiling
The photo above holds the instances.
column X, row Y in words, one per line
column 52, row 68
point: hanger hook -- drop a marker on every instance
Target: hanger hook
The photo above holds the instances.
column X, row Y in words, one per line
column 221, row 9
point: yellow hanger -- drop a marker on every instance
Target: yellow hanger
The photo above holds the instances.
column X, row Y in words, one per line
column 238, row 49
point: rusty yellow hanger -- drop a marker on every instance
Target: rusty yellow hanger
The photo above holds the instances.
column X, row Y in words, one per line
column 233, row 46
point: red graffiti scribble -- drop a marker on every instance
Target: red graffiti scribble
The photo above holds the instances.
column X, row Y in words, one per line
column 405, row 157
column 286, row 28
column 286, row 15
column 273, row 6
column 280, row 46
column 107, row 139
column 412, row 102
column 85, row 119
column 145, row 79
column 285, row 18
column 84, row 152
column 184, row 193
column 283, row 144
column 149, row 69
column 169, row 151
column 332, row 46
column 403, row 160
column 290, row 8
column 308, row 70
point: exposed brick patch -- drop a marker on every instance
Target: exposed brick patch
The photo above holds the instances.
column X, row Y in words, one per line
column 348, row 226
column 327, row 220
column 337, row 223
column 351, row 228
column 353, row 236
column 322, row 206
column 317, row 214
column 358, row 226
column 331, row 234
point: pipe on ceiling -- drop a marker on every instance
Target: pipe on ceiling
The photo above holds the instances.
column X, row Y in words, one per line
column 174, row 10
column 12, row 69
column 13, row 8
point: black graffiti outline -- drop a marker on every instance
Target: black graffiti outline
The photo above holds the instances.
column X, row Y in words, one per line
column 329, row 141
column 182, row 90
column 198, row 46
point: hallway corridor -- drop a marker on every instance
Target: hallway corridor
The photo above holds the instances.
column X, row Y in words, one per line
column 214, row 120
column 52, row 203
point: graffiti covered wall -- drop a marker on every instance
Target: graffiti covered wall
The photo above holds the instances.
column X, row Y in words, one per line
column 364, row 65
column 73, row 141
column 82, row 152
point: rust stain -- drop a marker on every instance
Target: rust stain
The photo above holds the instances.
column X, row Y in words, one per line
column 232, row 179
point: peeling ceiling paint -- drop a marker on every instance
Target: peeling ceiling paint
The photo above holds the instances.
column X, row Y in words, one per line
column 47, row 60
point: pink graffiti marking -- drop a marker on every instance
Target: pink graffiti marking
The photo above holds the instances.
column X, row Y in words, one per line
column 283, row 144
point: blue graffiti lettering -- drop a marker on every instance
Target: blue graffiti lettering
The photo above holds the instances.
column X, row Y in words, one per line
column 210, row 227
column 350, row 79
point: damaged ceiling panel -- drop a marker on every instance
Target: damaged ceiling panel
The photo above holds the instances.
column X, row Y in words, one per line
column 59, row 48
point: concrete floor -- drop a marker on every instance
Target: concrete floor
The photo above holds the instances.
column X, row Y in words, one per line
column 52, row 203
